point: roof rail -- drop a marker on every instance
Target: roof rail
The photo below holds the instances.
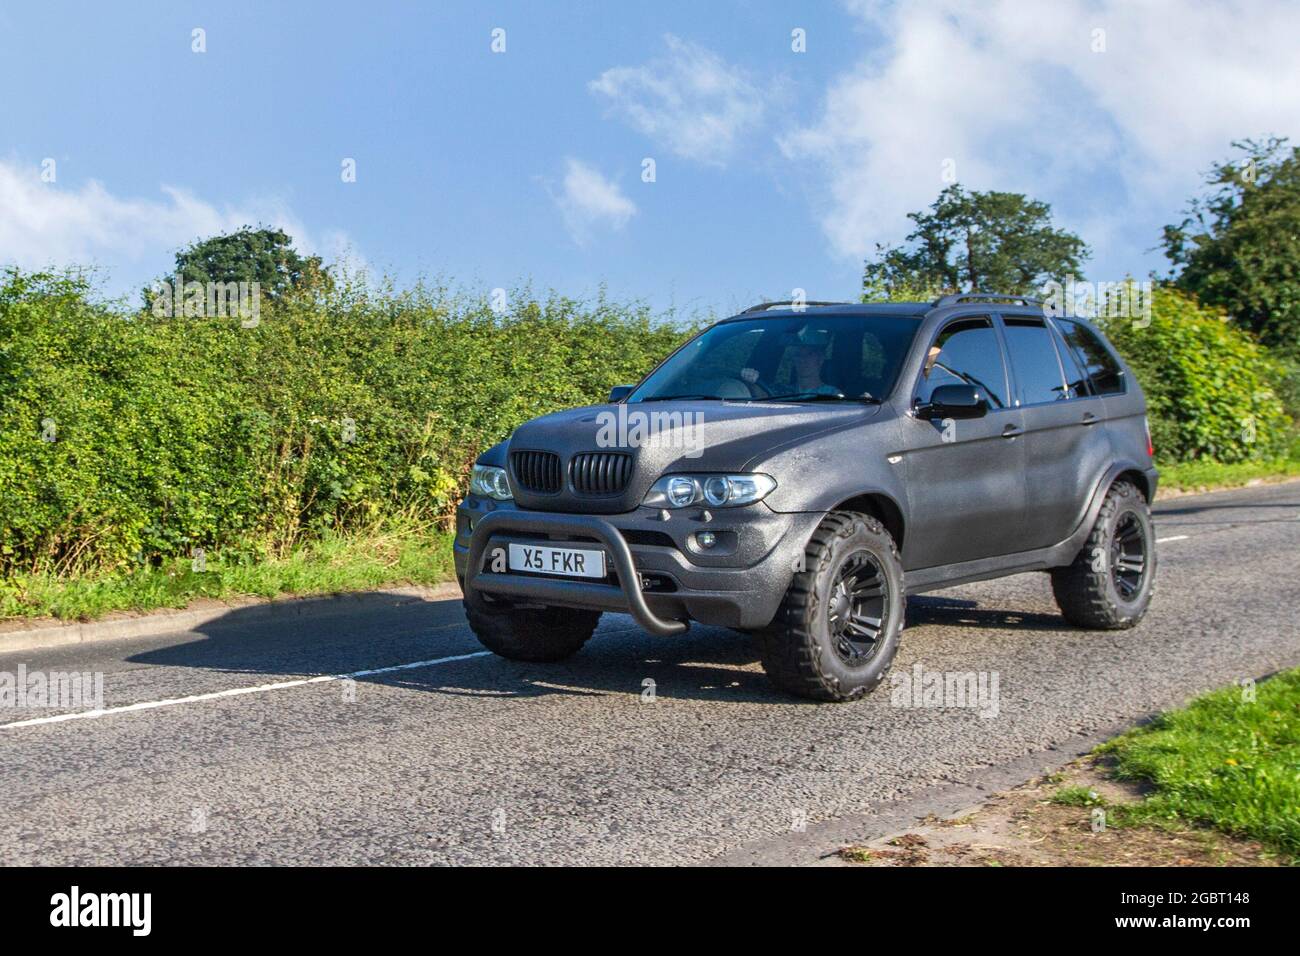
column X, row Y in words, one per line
column 960, row 297
column 764, row 306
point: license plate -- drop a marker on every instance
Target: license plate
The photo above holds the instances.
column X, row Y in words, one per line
column 544, row 559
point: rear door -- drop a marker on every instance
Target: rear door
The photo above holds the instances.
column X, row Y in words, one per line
column 965, row 479
column 1065, row 442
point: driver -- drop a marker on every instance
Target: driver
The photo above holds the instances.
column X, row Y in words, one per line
column 808, row 357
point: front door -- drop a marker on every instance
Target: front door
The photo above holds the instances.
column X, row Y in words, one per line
column 965, row 478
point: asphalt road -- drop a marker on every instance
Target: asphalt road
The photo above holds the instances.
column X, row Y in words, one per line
column 479, row 760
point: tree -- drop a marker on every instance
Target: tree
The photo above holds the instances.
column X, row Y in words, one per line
column 265, row 256
column 976, row 242
column 1238, row 248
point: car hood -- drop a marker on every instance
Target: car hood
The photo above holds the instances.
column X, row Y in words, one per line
column 655, row 438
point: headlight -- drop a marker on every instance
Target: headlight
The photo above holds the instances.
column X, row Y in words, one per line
column 718, row 491
column 490, row 482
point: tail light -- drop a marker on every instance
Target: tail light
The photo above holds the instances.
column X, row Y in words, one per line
column 1151, row 448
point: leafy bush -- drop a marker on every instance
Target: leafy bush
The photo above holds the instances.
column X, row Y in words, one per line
column 1212, row 390
column 126, row 438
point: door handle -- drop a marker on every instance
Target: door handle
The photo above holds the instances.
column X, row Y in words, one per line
column 1011, row 431
column 1089, row 419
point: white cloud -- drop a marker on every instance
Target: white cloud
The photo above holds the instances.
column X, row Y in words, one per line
column 1014, row 94
column 588, row 201
column 134, row 239
column 690, row 101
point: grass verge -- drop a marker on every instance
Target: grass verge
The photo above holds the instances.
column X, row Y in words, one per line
column 1215, row 783
column 1207, row 475
column 352, row 562
column 1225, row 760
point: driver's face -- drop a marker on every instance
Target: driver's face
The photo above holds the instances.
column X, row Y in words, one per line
column 809, row 358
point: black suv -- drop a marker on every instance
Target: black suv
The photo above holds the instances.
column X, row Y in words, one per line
column 796, row 470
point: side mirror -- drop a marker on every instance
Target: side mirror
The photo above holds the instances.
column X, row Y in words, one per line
column 955, row 401
column 620, row 392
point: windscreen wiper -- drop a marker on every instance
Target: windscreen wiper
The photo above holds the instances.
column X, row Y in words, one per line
column 680, row 398
column 818, row 397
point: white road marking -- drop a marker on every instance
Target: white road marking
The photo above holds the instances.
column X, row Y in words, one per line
column 1177, row 537
column 235, row 692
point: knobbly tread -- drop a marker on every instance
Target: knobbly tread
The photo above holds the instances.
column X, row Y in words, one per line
column 1083, row 594
column 791, row 653
column 520, row 636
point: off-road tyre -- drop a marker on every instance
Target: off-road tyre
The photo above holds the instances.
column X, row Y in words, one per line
column 538, row 634
column 800, row 651
column 1091, row 591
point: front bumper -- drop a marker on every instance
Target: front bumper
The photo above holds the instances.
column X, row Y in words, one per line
column 659, row 574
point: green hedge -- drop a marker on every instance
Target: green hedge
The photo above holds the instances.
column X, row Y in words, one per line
column 365, row 406
column 340, row 412
column 1213, row 392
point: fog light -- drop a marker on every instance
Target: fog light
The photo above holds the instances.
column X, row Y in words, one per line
column 706, row 539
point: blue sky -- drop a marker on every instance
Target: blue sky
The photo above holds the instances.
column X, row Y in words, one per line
column 774, row 169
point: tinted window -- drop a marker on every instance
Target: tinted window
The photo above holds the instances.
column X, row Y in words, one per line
column 1103, row 371
column 966, row 353
column 1076, row 381
column 1033, row 357
column 787, row 358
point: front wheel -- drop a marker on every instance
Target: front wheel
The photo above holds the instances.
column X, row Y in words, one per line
column 529, row 634
column 837, row 630
column 1110, row 582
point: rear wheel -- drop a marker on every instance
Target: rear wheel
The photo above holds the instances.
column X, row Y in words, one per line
column 1110, row 582
column 837, row 630
column 529, row 634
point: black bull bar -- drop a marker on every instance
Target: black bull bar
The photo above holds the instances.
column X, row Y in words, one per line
column 627, row 597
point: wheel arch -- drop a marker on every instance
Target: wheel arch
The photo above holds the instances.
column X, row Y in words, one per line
column 883, row 508
column 1136, row 477
column 1118, row 471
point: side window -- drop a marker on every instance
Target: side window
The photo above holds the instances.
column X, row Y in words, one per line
column 1076, row 380
column 1103, row 371
column 1034, row 359
column 966, row 353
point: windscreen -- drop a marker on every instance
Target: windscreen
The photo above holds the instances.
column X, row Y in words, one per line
column 794, row 359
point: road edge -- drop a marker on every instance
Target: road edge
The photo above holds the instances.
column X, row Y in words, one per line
column 820, row 842
column 155, row 623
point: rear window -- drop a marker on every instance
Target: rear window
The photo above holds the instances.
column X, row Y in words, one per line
column 1034, row 359
column 1103, row 371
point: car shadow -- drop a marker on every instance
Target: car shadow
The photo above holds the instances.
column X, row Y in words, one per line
column 378, row 632
column 955, row 612
column 1177, row 509
column 351, row 634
